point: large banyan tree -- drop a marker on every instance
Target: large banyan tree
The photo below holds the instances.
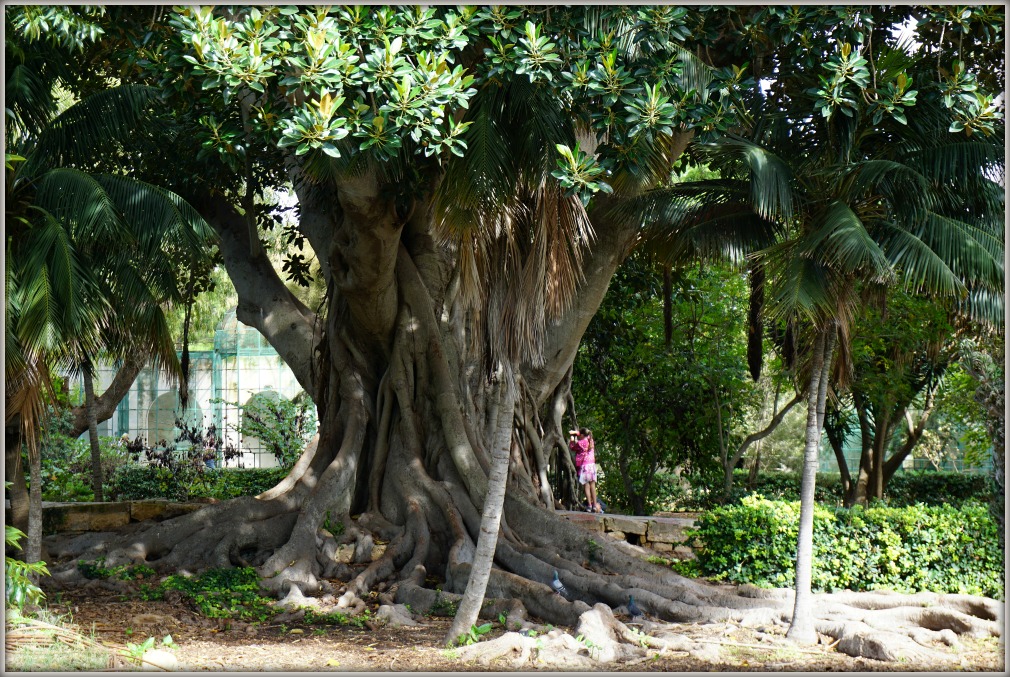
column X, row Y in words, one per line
column 466, row 179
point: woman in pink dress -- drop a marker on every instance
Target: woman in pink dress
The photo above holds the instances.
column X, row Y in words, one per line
column 581, row 442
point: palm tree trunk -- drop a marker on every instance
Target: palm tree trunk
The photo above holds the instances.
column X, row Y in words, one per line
column 33, row 544
column 487, row 541
column 15, row 474
column 801, row 630
column 96, row 451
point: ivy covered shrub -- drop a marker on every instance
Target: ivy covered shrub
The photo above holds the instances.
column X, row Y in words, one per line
column 937, row 488
column 227, row 483
column 906, row 488
column 916, row 548
column 142, row 482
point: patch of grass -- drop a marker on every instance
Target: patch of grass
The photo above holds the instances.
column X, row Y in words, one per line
column 47, row 642
column 313, row 617
column 593, row 550
column 443, row 607
column 56, row 657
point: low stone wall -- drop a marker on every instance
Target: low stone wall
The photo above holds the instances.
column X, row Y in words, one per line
column 662, row 533
column 74, row 517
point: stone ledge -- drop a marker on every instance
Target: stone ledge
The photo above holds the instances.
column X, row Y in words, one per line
column 74, row 516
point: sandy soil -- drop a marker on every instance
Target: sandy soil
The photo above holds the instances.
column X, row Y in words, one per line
column 211, row 645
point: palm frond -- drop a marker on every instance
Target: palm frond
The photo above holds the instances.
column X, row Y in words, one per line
column 840, row 240
column 971, row 253
column 888, row 177
column 79, row 200
column 921, row 267
column 158, row 216
column 797, row 286
column 769, row 176
column 29, row 102
column 983, row 306
column 81, row 133
column 483, row 181
column 56, row 290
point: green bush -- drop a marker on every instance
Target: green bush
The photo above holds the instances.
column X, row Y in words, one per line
column 910, row 549
column 225, row 483
column 937, row 488
column 19, row 589
column 140, row 482
column 906, row 488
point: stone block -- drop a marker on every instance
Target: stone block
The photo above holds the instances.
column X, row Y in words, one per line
column 619, row 535
column 669, row 531
column 625, row 524
column 662, row 547
column 61, row 517
column 683, row 552
column 145, row 510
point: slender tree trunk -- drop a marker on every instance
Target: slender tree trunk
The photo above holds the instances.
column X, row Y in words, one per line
column 755, row 468
column 755, row 437
column 15, row 474
column 755, row 327
column 33, row 544
column 184, row 360
column 667, row 305
column 801, row 630
column 96, row 451
column 487, row 541
column 843, row 467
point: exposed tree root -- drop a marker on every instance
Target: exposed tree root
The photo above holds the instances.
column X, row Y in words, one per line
column 879, row 625
column 388, row 499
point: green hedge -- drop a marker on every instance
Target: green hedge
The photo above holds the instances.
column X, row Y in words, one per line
column 915, row 548
column 140, row 482
column 906, row 488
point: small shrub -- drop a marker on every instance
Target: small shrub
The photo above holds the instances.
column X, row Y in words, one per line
column 19, row 589
column 125, row 572
column 916, row 548
column 140, row 482
column 905, row 488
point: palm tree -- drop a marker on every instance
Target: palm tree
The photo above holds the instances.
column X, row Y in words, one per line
column 855, row 207
column 90, row 256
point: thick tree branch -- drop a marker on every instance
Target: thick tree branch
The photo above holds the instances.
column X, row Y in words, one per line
column 263, row 301
column 106, row 403
column 914, row 435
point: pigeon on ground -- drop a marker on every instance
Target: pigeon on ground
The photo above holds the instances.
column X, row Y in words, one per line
column 558, row 586
column 633, row 609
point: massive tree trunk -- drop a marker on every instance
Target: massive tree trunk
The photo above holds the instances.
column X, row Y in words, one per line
column 408, row 419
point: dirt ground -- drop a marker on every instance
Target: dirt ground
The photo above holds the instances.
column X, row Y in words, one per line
column 212, row 645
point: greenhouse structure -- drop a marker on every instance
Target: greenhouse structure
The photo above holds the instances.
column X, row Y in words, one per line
column 242, row 365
